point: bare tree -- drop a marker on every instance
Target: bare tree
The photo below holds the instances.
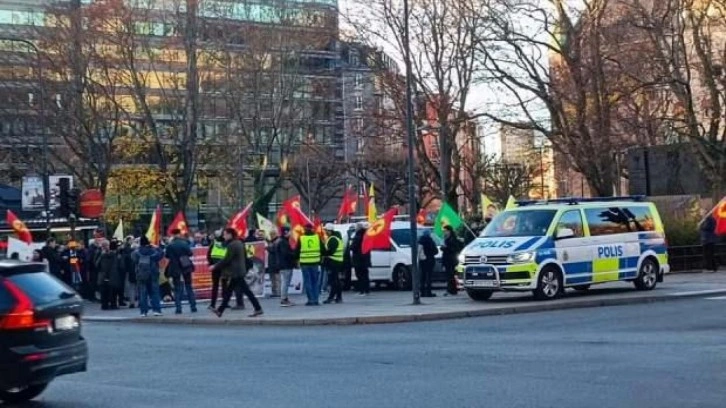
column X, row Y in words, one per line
column 316, row 177
column 504, row 180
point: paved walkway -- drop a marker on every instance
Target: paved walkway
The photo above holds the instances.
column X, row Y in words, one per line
column 394, row 307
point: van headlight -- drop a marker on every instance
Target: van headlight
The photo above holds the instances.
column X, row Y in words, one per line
column 461, row 259
column 522, row 257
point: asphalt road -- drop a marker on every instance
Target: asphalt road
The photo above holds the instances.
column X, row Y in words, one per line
column 660, row 355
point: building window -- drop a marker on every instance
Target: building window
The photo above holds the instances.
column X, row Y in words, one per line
column 353, row 58
column 358, row 103
column 358, row 81
column 358, row 125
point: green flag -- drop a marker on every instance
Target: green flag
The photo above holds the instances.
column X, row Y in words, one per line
column 447, row 216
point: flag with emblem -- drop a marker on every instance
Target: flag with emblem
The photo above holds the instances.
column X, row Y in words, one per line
column 297, row 219
column 19, row 227
column 511, row 203
column 154, row 231
column 179, row 223
column 349, row 204
column 447, row 216
column 239, row 222
column 371, row 211
column 720, row 214
column 421, row 216
column 265, row 225
column 378, row 235
column 318, row 226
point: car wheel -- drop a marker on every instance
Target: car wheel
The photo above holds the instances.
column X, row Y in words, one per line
column 647, row 275
column 18, row 395
column 402, row 277
column 581, row 288
column 549, row 284
column 479, row 295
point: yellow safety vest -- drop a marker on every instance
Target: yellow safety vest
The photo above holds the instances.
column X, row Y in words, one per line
column 339, row 251
column 218, row 251
column 309, row 250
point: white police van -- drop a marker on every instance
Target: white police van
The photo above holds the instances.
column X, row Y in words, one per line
column 547, row 246
column 392, row 267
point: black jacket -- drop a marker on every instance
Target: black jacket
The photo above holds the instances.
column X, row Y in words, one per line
column 55, row 262
column 452, row 247
column 429, row 247
column 273, row 261
column 285, row 254
column 358, row 258
column 331, row 246
column 234, row 264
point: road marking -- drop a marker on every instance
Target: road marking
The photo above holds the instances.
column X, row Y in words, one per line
column 717, row 298
column 700, row 292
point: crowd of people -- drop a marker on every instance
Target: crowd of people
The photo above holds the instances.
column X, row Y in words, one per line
column 127, row 273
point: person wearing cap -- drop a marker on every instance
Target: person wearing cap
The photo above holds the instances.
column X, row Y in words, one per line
column 286, row 263
column 333, row 263
column 309, row 253
column 361, row 262
column 215, row 254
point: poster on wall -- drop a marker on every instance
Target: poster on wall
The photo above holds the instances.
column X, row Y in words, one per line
column 33, row 198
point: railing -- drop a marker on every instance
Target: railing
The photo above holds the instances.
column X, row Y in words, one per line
column 690, row 258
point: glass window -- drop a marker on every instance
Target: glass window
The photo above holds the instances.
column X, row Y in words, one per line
column 359, row 81
column 520, row 223
column 6, row 300
column 359, row 103
column 41, row 287
column 619, row 220
column 402, row 236
column 572, row 220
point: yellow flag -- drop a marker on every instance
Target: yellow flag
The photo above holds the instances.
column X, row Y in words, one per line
column 372, row 212
column 511, row 203
column 487, row 207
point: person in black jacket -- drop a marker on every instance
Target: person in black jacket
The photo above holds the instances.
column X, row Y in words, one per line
column 427, row 251
column 52, row 255
column 285, row 263
column 450, row 255
column 361, row 261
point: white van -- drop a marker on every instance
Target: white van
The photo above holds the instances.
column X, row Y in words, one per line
column 393, row 267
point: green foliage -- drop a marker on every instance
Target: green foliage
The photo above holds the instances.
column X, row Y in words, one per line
column 682, row 232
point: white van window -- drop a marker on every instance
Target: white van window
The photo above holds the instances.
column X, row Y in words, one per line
column 521, row 223
column 572, row 220
column 402, row 237
column 619, row 220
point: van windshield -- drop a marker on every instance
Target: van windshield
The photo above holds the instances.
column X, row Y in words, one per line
column 521, row 223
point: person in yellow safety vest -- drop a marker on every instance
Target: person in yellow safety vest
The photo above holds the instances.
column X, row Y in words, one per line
column 217, row 251
column 309, row 254
column 333, row 263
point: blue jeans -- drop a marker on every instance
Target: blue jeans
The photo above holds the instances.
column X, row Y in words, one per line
column 323, row 284
column 311, row 276
column 150, row 289
column 180, row 288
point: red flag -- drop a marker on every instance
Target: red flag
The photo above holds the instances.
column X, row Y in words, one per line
column 378, row 235
column 154, row 231
column 19, row 227
column 349, row 204
column 239, row 222
column 421, row 217
column 720, row 214
column 297, row 219
column 179, row 223
column 318, row 226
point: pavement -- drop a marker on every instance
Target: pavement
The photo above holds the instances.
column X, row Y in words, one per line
column 396, row 307
column 655, row 355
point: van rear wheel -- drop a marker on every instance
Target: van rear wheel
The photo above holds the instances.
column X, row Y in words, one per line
column 647, row 275
column 18, row 395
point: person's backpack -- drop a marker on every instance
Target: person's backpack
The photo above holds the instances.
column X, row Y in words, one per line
column 143, row 268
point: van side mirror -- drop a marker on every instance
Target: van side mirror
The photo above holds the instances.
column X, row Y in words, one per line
column 564, row 233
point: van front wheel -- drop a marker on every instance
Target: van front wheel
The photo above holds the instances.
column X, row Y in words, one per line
column 549, row 284
column 647, row 275
column 479, row 295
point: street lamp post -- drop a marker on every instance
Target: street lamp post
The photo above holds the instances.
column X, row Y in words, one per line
column 41, row 124
column 411, row 169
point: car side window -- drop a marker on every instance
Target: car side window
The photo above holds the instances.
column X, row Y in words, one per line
column 572, row 220
column 6, row 301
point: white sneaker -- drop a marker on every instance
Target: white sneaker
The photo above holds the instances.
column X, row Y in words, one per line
column 157, row 314
column 144, row 315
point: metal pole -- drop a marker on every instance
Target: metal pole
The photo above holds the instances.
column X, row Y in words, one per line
column 541, row 170
column 41, row 123
column 411, row 169
column 307, row 176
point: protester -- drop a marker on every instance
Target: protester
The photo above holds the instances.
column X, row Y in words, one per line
column 234, row 270
column 273, row 263
column 709, row 239
column 215, row 254
column 106, row 262
column 333, row 263
column 91, row 277
column 37, row 256
column 146, row 271
column 361, row 261
column 427, row 251
column 55, row 263
column 450, row 259
column 180, row 269
column 309, row 253
column 286, row 263
column 73, row 264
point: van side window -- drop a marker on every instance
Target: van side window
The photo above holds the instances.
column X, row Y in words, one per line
column 619, row 220
column 572, row 220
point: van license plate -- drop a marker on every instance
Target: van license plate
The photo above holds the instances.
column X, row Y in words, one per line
column 66, row 323
column 484, row 284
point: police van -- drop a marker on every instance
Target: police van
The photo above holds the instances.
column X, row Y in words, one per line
column 547, row 246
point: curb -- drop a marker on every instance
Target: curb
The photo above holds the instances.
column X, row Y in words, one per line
column 534, row 307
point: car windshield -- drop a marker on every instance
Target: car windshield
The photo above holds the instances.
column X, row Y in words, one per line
column 402, row 237
column 521, row 223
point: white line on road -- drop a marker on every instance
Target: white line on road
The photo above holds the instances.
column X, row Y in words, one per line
column 717, row 298
column 700, row 292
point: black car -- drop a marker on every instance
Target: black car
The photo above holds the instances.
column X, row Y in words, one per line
column 40, row 330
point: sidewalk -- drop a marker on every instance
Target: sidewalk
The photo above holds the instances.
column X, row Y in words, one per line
column 396, row 307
